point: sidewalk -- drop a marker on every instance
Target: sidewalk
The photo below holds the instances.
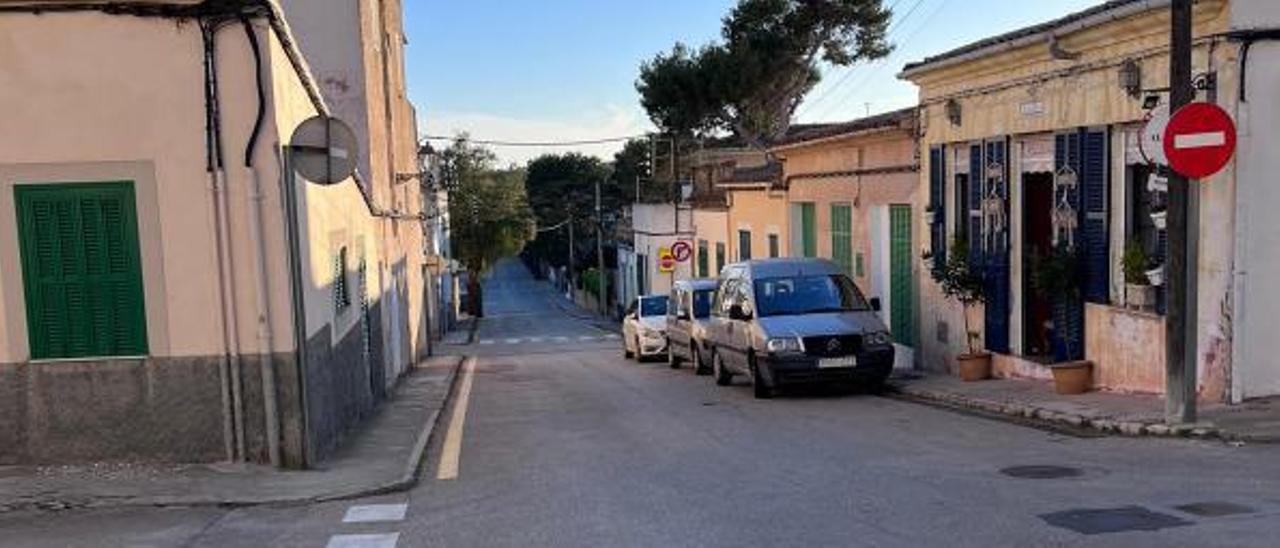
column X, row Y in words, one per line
column 384, row 456
column 592, row 317
column 1123, row 414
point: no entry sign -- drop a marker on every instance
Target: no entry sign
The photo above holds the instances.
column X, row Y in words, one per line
column 1199, row 140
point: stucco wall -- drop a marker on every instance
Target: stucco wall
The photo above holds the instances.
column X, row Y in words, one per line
column 711, row 225
column 763, row 212
column 1256, row 299
column 809, row 167
column 655, row 226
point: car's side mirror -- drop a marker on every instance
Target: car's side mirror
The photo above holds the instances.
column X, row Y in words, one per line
column 736, row 312
column 875, row 304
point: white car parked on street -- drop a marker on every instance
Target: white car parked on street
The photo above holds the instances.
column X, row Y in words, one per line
column 644, row 327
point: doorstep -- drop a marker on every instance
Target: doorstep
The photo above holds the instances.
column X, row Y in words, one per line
column 1106, row 412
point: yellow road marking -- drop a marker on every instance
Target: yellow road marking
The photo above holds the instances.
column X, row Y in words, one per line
column 452, row 453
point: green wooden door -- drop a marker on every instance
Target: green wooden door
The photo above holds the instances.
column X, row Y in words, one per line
column 842, row 237
column 81, row 270
column 901, row 282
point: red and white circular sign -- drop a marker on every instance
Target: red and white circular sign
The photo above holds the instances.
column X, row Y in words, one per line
column 682, row 251
column 1199, row 140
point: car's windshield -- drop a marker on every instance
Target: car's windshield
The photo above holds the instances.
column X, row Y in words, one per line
column 807, row 295
column 702, row 302
column 653, row 306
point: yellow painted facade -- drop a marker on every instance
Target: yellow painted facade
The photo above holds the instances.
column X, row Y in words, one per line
column 1023, row 96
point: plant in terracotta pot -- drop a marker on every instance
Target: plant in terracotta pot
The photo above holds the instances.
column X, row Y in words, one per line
column 967, row 287
column 1057, row 277
column 1138, row 291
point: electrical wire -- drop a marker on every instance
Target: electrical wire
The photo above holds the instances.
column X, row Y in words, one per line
column 897, row 25
column 852, row 69
column 880, row 66
column 504, row 143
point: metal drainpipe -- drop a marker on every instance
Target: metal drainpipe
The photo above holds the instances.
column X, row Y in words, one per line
column 226, row 263
column 266, row 338
column 224, row 364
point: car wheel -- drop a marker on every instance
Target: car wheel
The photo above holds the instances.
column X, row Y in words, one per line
column 759, row 389
column 672, row 360
column 639, row 355
column 722, row 374
column 626, row 350
column 695, row 359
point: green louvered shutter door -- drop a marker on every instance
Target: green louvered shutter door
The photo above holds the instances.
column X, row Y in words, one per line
column 82, row 272
column 808, row 230
column 842, row 237
column 901, row 281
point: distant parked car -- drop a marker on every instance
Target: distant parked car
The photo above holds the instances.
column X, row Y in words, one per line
column 644, row 327
column 792, row 321
column 688, row 310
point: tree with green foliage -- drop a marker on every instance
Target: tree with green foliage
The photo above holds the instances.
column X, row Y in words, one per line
column 489, row 212
column 562, row 189
column 751, row 82
column 634, row 174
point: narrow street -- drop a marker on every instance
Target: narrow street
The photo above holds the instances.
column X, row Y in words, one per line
column 565, row 443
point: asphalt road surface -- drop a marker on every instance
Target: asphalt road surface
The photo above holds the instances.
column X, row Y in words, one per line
column 562, row 442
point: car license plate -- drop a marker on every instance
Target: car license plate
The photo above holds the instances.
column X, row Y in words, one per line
column 847, row 361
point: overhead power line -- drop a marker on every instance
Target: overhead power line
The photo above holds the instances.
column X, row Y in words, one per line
column 503, row 143
column 851, row 70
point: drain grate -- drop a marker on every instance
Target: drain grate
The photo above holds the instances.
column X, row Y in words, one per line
column 1112, row 520
column 1041, row 471
column 1215, row 509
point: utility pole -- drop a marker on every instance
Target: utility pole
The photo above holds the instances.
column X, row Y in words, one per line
column 1180, row 346
column 568, row 269
column 600, row 278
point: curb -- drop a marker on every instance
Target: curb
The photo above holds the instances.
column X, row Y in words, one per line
column 1030, row 415
column 408, row 478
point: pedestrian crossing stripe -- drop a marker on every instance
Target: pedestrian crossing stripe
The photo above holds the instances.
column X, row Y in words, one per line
column 543, row 339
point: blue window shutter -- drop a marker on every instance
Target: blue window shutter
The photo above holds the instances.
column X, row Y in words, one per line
column 1095, row 241
column 1069, row 313
column 938, row 206
column 996, row 256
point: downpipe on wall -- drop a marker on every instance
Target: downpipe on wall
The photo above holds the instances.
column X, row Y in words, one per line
column 266, row 335
column 225, row 364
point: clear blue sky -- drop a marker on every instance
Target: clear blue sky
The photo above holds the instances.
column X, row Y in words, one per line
column 565, row 69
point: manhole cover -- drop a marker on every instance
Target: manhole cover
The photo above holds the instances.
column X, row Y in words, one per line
column 1112, row 520
column 1040, row 471
column 1215, row 509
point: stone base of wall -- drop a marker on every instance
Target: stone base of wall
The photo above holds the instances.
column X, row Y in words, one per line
column 144, row 410
column 344, row 383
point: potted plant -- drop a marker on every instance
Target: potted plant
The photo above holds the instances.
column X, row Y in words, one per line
column 1057, row 277
column 1138, row 292
column 966, row 287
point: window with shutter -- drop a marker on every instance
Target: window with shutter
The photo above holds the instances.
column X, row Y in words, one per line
column 937, row 212
column 1095, row 237
column 774, row 248
column 744, row 245
column 703, row 260
column 972, row 212
column 993, row 216
column 808, row 230
column 82, row 271
column 842, row 236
